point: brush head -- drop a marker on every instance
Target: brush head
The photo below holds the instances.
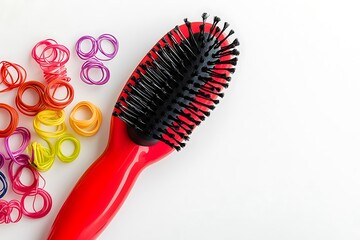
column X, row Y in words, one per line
column 179, row 82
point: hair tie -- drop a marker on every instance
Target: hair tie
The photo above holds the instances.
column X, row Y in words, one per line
column 47, row 201
column 4, row 183
column 51, row 57
column 14, row 119
column 114, row 42
column 87, row 127
column 94, row 64
column 16, row 155
column 15, row 178
column 58, row 103
column 60, row 154
column 6, row 211
column 30, row 110
column 7, row 77
column 50, row 118
column 41, row 158
column 91, row 53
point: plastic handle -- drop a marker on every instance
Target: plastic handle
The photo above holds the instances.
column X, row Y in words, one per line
column 103, row 188
column 98, row 194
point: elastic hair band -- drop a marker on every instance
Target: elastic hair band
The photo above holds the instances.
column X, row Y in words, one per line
column 87, row 127
column 50, row 118
column 61, row 155
column 4, row 183
column 92, row 51
column 51, row 57
column 58, row 103
column 15, row 173
column 6, row 211
column 14, row 120
column 17, row 155
column 41, row 158
column 114, row 42
column 8, row 79
column 94, row 64
column 30, row 110
column 46, row 200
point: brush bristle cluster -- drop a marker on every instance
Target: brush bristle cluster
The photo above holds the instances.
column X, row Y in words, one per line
column 173, row 92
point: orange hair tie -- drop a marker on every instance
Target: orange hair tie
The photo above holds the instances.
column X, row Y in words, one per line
column 14, row 120
column 30, row 110
column 87, row 127
column 8, row 78
column 55, row 103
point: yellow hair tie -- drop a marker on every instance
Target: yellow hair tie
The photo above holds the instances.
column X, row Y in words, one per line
column 75, row 153
column 88, row 127
column 50, row 118
column 42, row 158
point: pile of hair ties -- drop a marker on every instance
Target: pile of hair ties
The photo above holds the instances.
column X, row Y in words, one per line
column 48, row 123
column 17, row 164
column 93, row 60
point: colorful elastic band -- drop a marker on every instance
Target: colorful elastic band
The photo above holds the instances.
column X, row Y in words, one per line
column 53, row 102
column 46, row 199
column 42, row 158
column 97, row 65
column 64, row 158
column 16, row 155
column 14, row 120
column 50, row 118
column 12, row 75
column 52, row 57
column 97, row 45
column 87, row 127
column 10, row 212
column 30, row 110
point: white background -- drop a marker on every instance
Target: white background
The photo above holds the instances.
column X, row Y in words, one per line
column 279, row 157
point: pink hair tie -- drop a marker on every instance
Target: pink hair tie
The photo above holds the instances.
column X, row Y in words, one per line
column 6, row 211
column 47, row 201
column 15, row 178
column 52, row 57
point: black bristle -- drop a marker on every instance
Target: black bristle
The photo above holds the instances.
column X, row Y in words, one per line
column 176, row 88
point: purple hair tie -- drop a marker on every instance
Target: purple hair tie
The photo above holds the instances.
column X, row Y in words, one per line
column 94, row 64
column 114, row 42
column 17, row 156
column 94, row 47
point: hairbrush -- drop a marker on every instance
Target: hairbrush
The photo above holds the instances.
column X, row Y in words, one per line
column 171, row 91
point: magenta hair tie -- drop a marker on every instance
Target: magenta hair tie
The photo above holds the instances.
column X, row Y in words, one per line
column 17, row 155
column 94, row 64
column 94, row 47
column 47, row 201
column 6, row 211
column 15, row 178
column 52, row 57
column 114, row 42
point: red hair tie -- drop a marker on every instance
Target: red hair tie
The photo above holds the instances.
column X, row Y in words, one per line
column 8, row 78
column 58, row 103
column 30, row 110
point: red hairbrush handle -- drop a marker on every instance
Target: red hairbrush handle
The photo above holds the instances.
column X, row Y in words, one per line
column 103, row 188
